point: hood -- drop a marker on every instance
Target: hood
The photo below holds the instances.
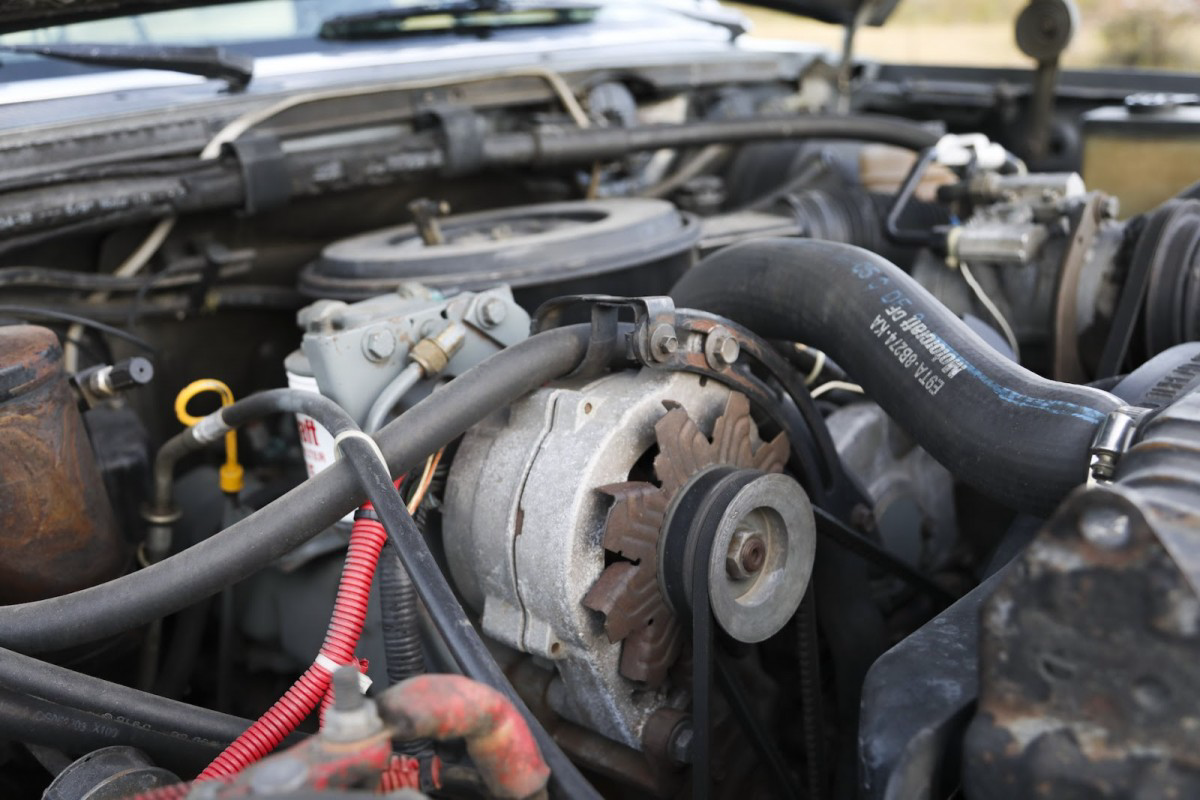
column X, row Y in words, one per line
column 16, row 15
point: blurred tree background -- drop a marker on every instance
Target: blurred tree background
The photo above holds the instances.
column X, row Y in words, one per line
column 1159, row 34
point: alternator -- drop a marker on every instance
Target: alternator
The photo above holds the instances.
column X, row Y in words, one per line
column 530, row 513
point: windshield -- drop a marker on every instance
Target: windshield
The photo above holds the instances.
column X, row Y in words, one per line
column 229, row 24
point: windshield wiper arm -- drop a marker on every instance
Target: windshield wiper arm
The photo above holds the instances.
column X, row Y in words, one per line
column 209, row 62
column 467, row 16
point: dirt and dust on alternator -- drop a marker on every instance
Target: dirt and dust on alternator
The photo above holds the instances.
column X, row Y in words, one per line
column 628, row 591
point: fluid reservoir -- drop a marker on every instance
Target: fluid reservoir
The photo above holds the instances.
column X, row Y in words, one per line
column 1144, row 152
column 57, row 530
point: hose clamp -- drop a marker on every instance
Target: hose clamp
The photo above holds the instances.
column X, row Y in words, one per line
column 367, row 438
column 1112, row 439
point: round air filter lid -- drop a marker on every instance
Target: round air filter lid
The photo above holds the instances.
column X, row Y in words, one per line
column 520, row 246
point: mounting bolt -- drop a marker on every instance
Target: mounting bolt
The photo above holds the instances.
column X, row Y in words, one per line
column 379, row 344
column 679, row 748
column 746, row 555
column 663, row 342
column 425, row 213
column 346, row 694
column 353, row 716
column 721, row 349
column 1106, row 528
column 492, row 312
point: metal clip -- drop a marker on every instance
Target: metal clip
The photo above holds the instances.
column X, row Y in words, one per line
column 1112, row 439
column 653, row 339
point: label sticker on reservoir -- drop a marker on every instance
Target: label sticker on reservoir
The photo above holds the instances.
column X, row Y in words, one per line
column 315, row 440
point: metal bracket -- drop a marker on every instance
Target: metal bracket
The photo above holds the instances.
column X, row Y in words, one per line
column 460, row 131
column 650, row 315
column 264, row 166
column 665, row 337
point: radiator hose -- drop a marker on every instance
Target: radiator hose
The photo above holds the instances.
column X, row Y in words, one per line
column 1015, row 436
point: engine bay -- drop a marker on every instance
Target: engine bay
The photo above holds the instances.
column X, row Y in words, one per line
column 631, row 430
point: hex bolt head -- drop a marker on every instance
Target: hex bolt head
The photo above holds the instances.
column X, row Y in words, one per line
column 492, row 312
column 746, row 556
column 379, row 344
column 663, row 342
column 1106, row 528
column 721, row 349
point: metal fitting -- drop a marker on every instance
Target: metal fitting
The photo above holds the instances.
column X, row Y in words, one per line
column 352, row 717
column 379, row 344
column 492, row 311
column 434, row 352
column 721, row 349
column 1112, row 439
column 160, row 515
column 746, row 556
column 101, row 383
column 663, row 342
column 425, row 213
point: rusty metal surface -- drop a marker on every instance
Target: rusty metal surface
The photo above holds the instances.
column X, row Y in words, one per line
column 57, row 532
column 629, row 768
column 628, row 591
column 1090, row 653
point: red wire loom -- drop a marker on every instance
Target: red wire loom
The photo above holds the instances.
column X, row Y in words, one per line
column 367, row 538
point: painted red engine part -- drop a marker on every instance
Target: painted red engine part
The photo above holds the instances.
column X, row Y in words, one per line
column 453, row 707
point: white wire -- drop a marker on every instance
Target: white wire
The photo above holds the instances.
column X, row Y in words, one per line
column 138, row 259
column 987, row 303
column 818, row 365
column 830, row 386
column 818, row 362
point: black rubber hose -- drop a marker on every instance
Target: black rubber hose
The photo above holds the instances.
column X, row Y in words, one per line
column 401, row 633
column 26, row 675
column 183, row 652
column 31, row 719
column 1011, row 434
column 554, row 146
column 248, row 545
column 399, row 619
